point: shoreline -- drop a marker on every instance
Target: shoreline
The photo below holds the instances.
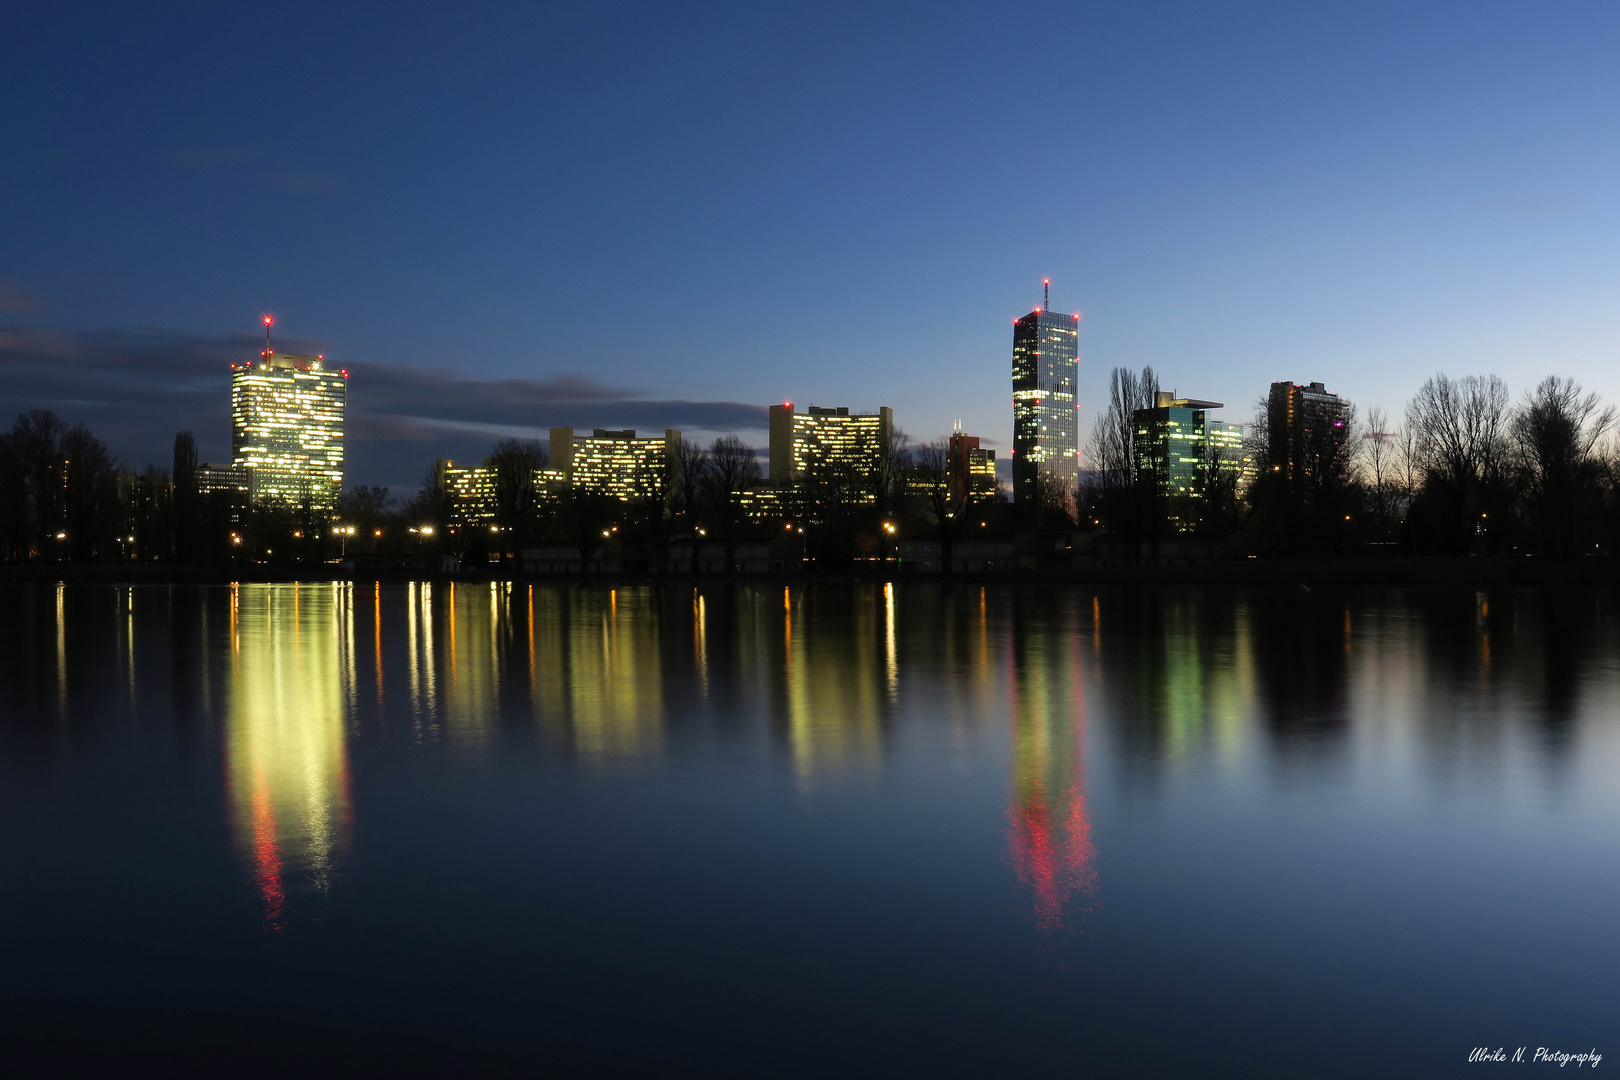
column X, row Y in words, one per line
column 1598, row 571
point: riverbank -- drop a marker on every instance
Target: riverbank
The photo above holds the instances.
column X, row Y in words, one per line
column 1498, row 573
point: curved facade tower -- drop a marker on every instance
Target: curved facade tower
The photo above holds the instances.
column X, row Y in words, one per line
column 1045, row 369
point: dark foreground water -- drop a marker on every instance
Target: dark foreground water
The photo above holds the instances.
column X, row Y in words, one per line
column 811, row 831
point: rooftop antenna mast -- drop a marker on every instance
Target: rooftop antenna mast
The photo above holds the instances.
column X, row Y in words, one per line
column 267, row 321
column 1046, row 292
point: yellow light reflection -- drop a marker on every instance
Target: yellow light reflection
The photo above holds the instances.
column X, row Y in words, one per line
column 286, row 760
column 835, row 690
column 890, row 655
column 598, row 683
column 61, row 651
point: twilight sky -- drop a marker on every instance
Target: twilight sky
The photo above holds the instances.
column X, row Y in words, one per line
column 505, row 217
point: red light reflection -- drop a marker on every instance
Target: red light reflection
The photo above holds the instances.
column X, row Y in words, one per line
column 1049, row 824
column 267, row 857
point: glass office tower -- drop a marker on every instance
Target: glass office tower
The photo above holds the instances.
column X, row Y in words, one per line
column 1172, row 445
column 287, row 429
column 1178, row 449
column 1045, row 368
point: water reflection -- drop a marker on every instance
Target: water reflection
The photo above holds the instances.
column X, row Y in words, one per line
column 473, row 654
column 287, row 772
column 1435, row 689
column 1179, row 674
column 1049, row 831
column 596, row 669
column 838, row 672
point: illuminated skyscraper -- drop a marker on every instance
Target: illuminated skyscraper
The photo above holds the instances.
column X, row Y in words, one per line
column 1045, row 369
column 287, row 428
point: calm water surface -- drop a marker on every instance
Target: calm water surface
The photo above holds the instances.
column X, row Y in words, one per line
column 823, row 830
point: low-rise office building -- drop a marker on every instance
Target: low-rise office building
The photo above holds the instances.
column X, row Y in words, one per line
column 617, row 463
column 810, row 444
column 972, row 469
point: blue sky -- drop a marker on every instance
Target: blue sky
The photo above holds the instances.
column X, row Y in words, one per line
column 508, row 217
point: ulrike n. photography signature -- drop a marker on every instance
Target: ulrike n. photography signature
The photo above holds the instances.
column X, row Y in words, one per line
column 1540, row 1056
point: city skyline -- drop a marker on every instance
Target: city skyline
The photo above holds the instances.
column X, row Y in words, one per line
column 1229, row 200
column 530, row 546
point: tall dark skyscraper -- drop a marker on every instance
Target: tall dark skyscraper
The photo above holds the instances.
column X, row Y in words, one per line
column 1307, row 426
column 1045, row 369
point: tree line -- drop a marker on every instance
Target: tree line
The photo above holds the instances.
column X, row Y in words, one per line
column 65, row 498
column 1465, row 470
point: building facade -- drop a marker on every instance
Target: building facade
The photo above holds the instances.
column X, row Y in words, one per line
column 1178, row 448
column 1306, row 422
column 1224, row 443
column 972, row 469
column 230, row 481
column 816, row 440
column 287, row 429
column 470, row 490
column 1045, row 371
column 617, row 463
column 1171, row 444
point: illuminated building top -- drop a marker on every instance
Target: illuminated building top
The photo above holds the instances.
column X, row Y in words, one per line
column 287, row 428
column 1045, row 370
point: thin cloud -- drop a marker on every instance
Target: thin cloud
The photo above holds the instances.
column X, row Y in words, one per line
column 137, row 388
